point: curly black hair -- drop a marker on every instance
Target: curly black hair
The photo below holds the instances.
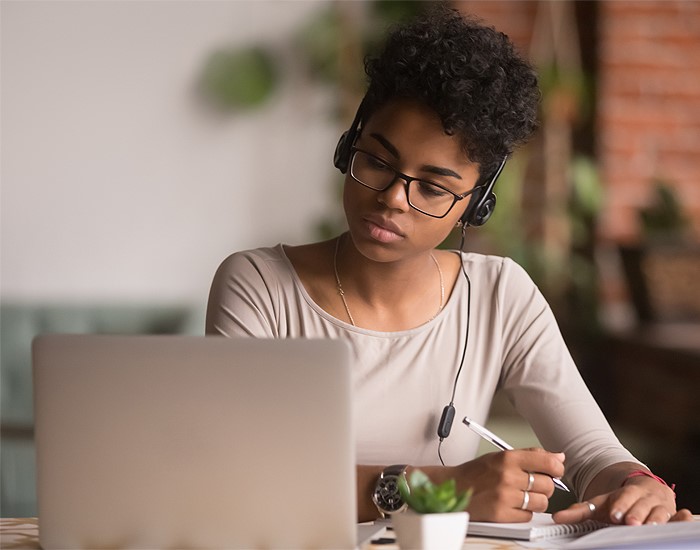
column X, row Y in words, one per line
column 468, row 73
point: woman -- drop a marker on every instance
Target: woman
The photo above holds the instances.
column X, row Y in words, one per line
column 448, row 101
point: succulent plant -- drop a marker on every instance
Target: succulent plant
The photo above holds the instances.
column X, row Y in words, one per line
column 424, row 497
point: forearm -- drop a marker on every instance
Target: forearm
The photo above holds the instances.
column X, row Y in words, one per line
column 366, row 480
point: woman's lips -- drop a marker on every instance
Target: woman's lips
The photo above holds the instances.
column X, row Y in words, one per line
column 383, row 230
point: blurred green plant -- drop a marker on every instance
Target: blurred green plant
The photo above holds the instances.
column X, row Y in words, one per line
column 663, row 219
column 245, row 77
column 320, row 47
column 587, row 195
column 424, row 497
column 239, row 78
column 582, row 277
column 568, row 91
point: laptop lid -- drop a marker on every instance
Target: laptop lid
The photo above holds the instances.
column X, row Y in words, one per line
column 193, row 442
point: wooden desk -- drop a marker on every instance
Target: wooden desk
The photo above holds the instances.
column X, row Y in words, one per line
column 19, row 533
column 23, row 533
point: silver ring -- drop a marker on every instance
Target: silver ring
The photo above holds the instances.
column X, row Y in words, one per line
column 591, row 506
column 526, row 500
column 530, row 481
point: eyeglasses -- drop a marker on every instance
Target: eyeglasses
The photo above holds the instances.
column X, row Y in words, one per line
column 427, row 197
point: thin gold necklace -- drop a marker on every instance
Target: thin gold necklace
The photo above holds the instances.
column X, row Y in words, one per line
column 342, row 294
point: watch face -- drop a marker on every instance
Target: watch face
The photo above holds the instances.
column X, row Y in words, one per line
column 387, row 494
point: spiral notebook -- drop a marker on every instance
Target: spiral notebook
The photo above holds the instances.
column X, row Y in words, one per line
column 541, row 526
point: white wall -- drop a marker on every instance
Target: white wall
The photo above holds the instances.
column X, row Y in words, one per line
column 118, row 182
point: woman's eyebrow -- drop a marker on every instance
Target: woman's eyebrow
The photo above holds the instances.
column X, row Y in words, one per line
column 438, row 170
column 386, row 144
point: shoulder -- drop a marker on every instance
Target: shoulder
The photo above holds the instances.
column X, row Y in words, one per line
column 254, row 257
column 497, row 270
column 244, row 295
column 257, row 263
column 500, row 282
column 311, row 261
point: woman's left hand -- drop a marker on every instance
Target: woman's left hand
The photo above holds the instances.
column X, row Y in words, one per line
column 640, row 500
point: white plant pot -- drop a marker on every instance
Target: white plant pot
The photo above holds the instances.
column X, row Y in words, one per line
column 430, row 531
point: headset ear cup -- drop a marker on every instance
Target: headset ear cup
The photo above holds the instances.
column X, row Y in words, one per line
column 343, row 151
column 483, row 200
column 341, row 157
column 483, row 213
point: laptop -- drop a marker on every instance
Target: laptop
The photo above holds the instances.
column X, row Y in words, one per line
column 194, row 442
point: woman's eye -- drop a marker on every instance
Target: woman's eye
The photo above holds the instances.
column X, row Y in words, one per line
column 376, row 164
column 431, row 190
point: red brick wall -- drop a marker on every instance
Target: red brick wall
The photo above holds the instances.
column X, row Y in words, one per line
column 648, row 103
column 648, row 107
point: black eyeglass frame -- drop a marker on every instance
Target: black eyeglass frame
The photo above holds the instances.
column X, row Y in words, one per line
column 407, row 181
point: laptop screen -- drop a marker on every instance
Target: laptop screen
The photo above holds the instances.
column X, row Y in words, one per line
column 184, row 441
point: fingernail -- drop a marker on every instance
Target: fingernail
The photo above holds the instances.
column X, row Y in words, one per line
column 617, row 516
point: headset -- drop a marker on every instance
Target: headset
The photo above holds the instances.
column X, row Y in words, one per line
column 483, row 200
column 343, row 151
column 481, row 205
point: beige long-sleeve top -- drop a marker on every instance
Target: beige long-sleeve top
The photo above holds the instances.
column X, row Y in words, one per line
column 402, row 380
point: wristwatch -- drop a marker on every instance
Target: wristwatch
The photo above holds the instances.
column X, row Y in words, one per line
column 386, row 494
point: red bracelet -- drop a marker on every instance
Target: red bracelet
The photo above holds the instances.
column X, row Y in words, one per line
column 637, row 473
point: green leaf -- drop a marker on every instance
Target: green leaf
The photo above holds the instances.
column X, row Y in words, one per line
column 462, row 501
column 419, row 479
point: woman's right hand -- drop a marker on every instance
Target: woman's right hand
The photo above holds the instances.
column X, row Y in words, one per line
column 501, row 480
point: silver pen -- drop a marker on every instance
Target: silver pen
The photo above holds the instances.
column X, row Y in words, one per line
column 498, row 442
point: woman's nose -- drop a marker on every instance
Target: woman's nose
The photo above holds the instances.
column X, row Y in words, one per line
column 395, row 197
